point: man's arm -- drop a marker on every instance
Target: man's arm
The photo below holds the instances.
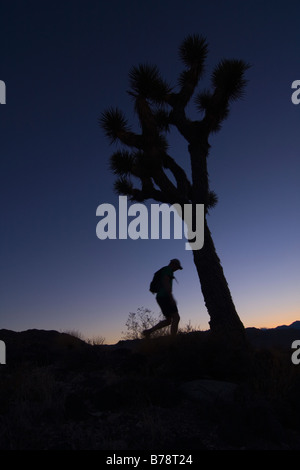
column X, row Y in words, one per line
column 166, row 282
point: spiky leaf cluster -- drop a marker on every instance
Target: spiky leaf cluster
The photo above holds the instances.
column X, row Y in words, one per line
column 158, row 108
column 146, row 82
column 123, row 186
column 114, row 123
column 122, row 162
column 193, row 51
column 228, row 78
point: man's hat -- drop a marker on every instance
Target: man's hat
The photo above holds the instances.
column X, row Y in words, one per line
column 176, row 263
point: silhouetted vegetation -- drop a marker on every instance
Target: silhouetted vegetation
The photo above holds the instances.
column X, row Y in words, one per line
column 59, row 392
column 144, row 319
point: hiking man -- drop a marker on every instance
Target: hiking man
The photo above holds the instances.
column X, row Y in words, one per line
column 165, row 299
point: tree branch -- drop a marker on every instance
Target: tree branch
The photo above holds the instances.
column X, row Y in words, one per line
column 183, row 184
column 131, row 139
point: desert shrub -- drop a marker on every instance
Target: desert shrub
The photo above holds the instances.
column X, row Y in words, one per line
column 75, row 333
column 139, row 321
column 144, row 319
column 96, row 340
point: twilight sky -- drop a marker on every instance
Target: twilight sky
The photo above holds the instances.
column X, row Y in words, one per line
column 63, row 64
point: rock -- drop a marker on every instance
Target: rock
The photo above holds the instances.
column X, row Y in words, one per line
column 209, row 390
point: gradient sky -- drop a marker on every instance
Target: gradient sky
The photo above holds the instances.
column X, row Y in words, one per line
column 63, row 63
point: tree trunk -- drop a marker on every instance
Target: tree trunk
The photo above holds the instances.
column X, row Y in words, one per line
column 225, row 323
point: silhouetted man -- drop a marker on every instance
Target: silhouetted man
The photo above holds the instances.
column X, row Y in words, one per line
column 166, row 301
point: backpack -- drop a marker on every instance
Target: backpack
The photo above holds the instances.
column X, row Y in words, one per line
column 156, row 282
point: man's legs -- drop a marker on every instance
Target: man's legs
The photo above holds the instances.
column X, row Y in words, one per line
column 175, row 322
column 172, row 318
column 159, row 325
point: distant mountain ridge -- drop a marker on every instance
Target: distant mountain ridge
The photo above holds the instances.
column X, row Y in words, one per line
column 295, row 325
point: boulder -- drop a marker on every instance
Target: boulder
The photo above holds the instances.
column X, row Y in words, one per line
column 205, row 390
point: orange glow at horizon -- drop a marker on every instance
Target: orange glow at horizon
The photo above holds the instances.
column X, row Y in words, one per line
column 267, row 320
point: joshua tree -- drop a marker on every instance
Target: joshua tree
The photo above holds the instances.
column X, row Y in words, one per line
column 146, row 159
